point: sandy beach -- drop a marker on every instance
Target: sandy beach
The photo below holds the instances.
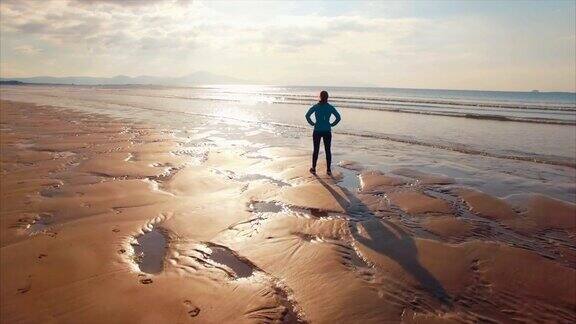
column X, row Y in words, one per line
column 115, row 218
column 287, row 162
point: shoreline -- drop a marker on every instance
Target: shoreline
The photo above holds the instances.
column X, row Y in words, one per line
column 541, row 143
column 83, row 194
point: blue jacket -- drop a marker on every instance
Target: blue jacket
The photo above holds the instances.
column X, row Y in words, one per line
column 322, row 113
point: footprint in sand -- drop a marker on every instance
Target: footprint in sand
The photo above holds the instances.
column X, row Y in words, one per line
column 193, row 310
column 26, row 288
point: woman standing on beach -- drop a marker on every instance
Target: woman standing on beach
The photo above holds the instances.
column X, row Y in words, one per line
column 322, row 129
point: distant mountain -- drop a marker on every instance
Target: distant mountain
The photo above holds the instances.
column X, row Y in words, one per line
column 196, row 78
column 11, row 82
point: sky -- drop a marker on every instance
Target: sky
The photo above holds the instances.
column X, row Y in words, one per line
column 486, row 45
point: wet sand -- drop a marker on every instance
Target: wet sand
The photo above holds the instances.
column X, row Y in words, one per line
column 110, row 218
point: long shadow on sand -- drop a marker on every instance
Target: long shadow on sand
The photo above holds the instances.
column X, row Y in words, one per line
column 388, row 239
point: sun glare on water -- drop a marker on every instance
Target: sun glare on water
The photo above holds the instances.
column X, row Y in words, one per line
column 244, row 101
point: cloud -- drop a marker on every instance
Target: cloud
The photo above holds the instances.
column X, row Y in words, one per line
column 273, row 41
column 122, row 3
column 77, row 27
column 72, row 24
column 27, row 50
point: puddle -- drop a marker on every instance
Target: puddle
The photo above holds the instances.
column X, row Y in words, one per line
column 226, row 257
column 40, row 224
column 150, row 251
column 194, row 144
column 258, row 157
column 351, row 165
column 255, row 177
column 226, row 173
column 198, row 153
column 265, row 207
column 318, row 212
column 63, row 154
column 350, row 179
column 249, row 177
column 52, row 191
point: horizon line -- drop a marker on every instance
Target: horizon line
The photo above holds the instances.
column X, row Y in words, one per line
column 7, row 79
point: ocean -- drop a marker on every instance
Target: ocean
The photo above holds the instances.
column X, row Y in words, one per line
column 466, row 134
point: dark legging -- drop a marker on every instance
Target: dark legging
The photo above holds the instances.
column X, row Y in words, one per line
column 327, row 136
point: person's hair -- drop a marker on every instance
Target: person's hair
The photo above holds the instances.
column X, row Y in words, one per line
column 323, row 96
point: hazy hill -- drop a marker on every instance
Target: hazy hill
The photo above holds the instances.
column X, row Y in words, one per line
column 200, row 77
